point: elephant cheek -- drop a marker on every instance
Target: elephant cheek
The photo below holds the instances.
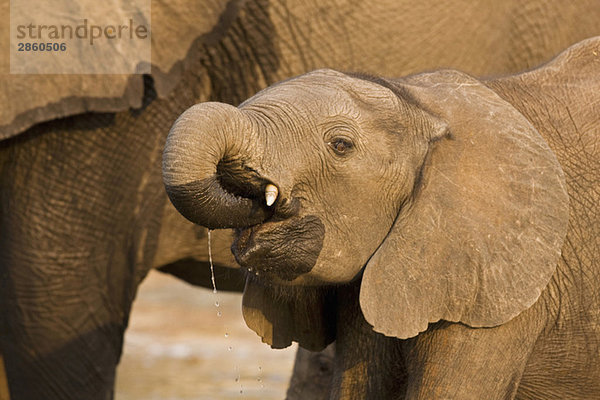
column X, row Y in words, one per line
column 343, row 258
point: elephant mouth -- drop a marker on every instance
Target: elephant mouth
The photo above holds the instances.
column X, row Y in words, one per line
column 280, row 249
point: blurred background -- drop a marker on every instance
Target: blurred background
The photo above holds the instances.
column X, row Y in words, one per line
column 178, row 348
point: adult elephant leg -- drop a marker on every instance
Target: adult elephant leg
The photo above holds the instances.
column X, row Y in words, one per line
column 78, row 226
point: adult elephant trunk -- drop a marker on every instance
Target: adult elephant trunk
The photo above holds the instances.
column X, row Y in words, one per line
column 206, row 171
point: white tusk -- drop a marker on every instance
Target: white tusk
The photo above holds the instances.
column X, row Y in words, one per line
column 271, row 193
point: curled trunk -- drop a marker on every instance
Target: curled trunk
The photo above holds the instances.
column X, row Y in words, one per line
column 204, row 168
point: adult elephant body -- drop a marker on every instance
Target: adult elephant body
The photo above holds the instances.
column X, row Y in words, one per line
column 83, row 212
column 443, row 230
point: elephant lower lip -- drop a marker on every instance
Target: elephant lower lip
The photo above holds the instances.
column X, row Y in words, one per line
column 287, row 248
column 245, row 239
column 250, row 251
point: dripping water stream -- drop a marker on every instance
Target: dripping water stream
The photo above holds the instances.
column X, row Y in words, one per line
column 212, row 267
column 219, row 314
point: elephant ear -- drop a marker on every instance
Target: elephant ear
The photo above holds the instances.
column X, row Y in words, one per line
column 483, row 231
column 180, row 30
column 283, row 314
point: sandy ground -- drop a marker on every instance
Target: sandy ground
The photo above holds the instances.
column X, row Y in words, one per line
column 177, row 347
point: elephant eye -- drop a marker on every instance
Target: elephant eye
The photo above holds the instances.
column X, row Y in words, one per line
column 341, row 146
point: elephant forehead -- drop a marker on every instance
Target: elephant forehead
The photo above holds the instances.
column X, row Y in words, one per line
column 321, row 92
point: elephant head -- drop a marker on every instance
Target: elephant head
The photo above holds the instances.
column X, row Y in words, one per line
column 439, row 195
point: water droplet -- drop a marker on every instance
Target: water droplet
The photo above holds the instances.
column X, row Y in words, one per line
column 241, row 391
column 230, row 348
column 219, row 313
column 259, row 378
column 216, row 304
column 226, row 334
column 237, row 379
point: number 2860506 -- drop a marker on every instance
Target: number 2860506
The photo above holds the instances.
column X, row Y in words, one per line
column 41, row 46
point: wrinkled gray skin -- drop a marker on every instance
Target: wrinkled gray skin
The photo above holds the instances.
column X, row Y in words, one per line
column 459, row 218
column 83, row 214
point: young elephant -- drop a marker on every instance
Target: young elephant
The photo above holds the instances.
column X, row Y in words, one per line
column 444, row 231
